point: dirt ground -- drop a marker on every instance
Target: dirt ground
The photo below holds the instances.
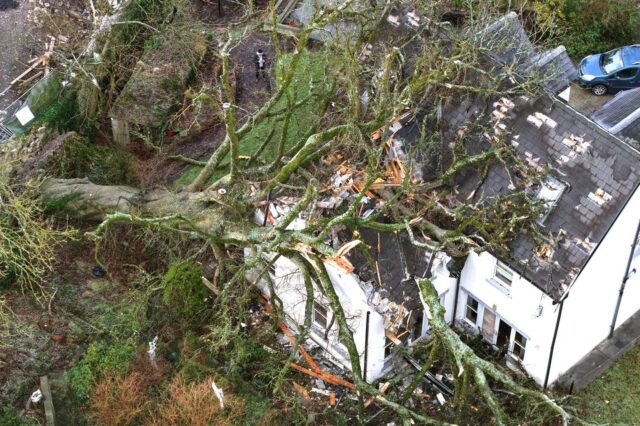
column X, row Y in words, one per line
column 25, row 27
column 250, row 95
column 15, row 39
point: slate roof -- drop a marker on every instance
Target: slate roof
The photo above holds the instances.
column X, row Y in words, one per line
column 507, row 43
column 621, row 115
column 600, row 172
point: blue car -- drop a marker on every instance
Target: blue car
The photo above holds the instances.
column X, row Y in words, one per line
column 612, row 71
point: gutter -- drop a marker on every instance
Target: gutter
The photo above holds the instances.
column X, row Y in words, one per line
column 366, row 347
column 627, row 275
column 553, row 346
column 455, row 299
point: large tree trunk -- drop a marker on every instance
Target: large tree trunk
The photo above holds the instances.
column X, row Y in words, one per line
column 198, row 212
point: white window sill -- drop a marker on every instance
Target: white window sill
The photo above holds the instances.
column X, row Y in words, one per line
column 514, row 363
column 470, row 325
column 497, row 284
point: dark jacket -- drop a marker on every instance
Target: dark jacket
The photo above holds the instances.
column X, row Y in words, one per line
column 260, row 60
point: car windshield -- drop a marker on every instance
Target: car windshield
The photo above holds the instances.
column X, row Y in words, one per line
column 611, row 61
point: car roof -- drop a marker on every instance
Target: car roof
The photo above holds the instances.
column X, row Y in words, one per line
column 631, row 55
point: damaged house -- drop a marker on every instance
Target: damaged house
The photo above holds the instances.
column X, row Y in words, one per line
column 376, row 289
column 546, row 302
column 550, row 302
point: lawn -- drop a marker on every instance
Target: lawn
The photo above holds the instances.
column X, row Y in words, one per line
column 614, row 398
column 309, row 75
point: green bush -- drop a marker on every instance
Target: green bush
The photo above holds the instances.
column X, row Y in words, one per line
column 100, row 359
column 62, row 115
column 10, row 417
column 101, row 164
column 589, row 26
column 184, row 293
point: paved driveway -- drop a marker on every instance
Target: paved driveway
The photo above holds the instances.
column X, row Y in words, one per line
column 583, row 100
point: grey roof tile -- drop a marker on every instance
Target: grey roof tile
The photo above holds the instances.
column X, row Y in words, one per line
column 608, row 165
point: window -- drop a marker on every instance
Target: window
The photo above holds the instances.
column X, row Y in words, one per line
column 611, row 60
column 417, row 327
column 471, row 313
column 627, row 73
column 272, row 269
column 388, row 347
column 519, row 345
column 320, row 315
column 549, row 193
column 504, row 274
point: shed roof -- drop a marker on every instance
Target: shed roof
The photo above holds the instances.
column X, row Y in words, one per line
column 621, row 115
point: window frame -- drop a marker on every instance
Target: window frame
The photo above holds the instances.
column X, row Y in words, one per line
column 516, row 350
column 317, row 308
column 475, row 310
column 556, row 186
column 501, row 272
column 521, row 353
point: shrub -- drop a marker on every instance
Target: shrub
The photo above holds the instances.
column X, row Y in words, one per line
column 10, row 417
column 118, row 401
column 589, row 26
column 100, row 360
column 62, row 115
column 101, row 164
column 184, row 293
column 195, row 404
column 27, row 241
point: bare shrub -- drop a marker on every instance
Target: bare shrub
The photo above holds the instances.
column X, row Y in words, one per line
column 195, row 404
column 118, row 401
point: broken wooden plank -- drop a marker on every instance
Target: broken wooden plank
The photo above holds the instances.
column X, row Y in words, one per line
column 49, row 412
column 383, row 388
column 30, row 79
column 329, row 378
column 302, row 351
column 392, row 337
column 332, row 399
column 301, row 390
column 27, row 71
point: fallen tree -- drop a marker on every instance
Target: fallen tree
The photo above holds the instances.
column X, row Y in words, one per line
column 220, row 211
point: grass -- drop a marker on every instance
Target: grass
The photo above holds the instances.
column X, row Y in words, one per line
column 614, row 398
column 310, row 72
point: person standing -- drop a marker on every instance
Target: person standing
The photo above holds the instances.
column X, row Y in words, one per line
column 260, row 61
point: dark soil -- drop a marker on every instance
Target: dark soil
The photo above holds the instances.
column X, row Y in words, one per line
column 8, row 4
column 251, row 94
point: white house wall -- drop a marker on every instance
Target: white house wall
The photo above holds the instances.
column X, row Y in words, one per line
column 290, row 288
column 523, row 307
column 446, row 287
column 591, row 302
